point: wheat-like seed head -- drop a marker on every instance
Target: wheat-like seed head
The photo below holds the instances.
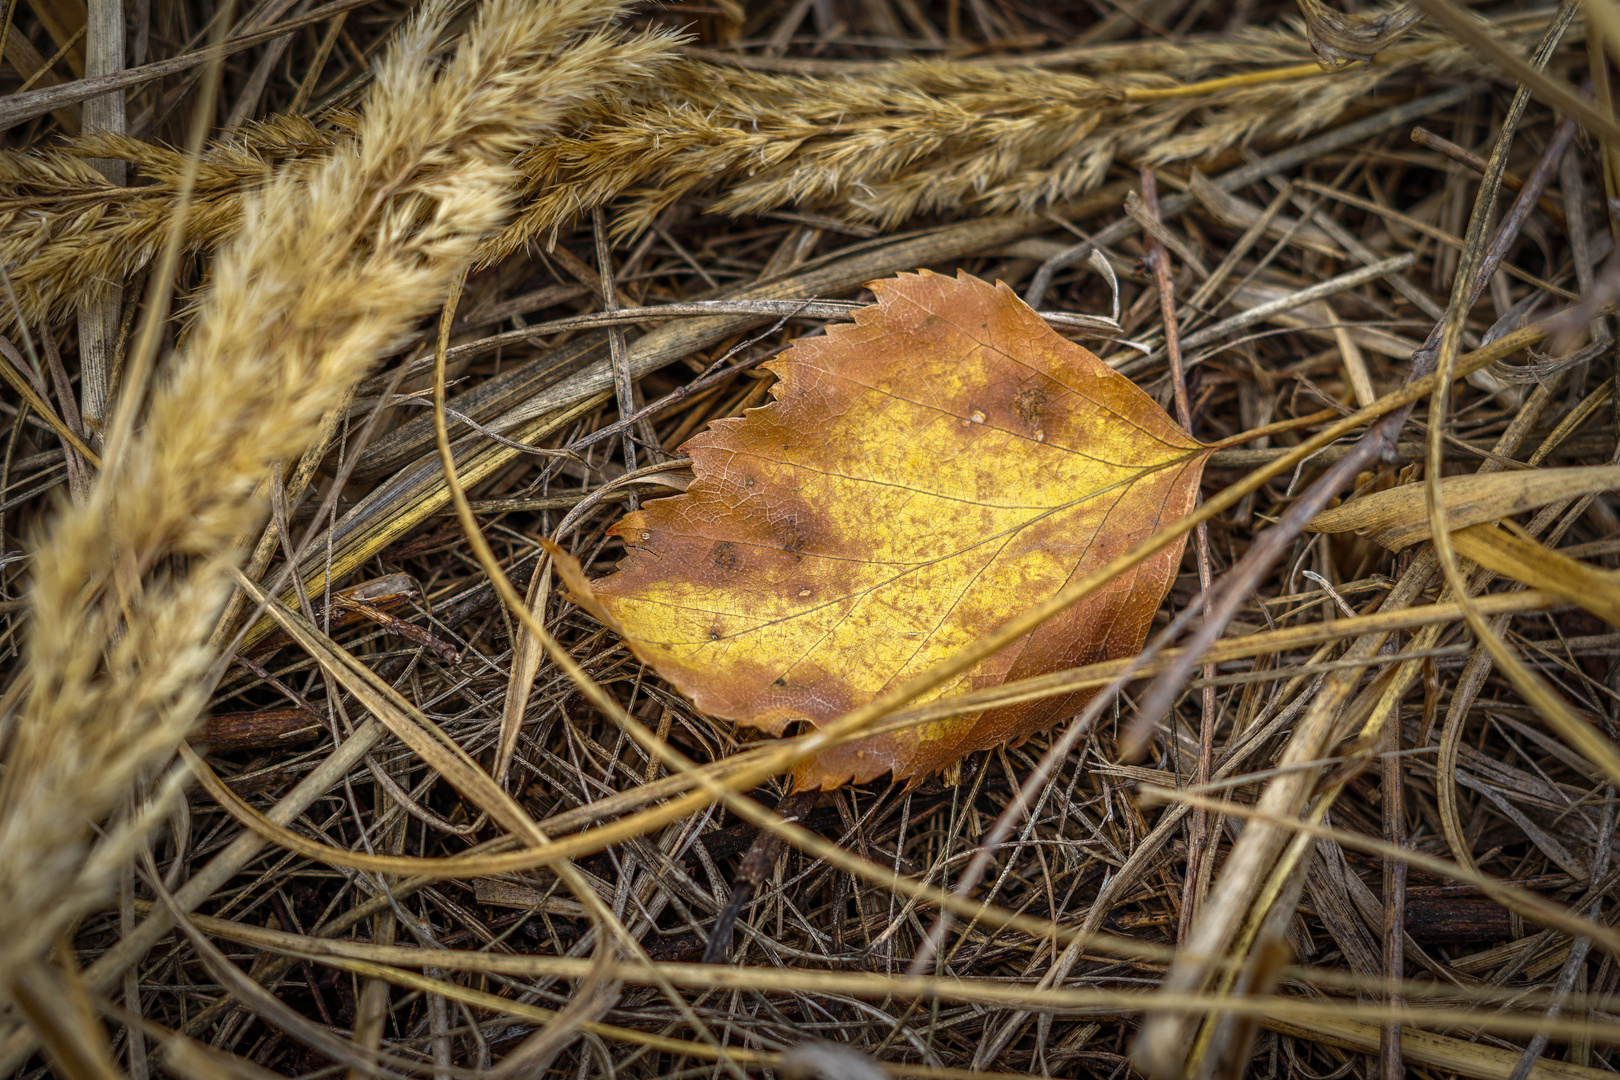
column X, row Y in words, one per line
column 332, row 263
column 920, row 138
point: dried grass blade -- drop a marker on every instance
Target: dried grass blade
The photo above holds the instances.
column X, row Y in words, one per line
column 1463, row 1056
column 1261, row 867
column 74, row 1040
column 441, row 753
column 18, row 108
column 275, row 1011
column 606, row 918
column 1068, row 1000
column 1340, row 38
column 1397, row 518
column 1523, row 559
column 26, row 391
column 1559, row 95
column 107, row 968
column 1349, row 280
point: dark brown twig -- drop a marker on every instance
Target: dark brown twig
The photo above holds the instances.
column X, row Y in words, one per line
column 1393, row 800
column 755, row 867
column 1158, row 263
column 1463, row 156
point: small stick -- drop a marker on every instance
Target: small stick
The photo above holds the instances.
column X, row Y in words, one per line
column 100, row 313
column 1158, row 261
column 1393, row 798
column 623, row 385
column 1463, row 156
column 756, row 864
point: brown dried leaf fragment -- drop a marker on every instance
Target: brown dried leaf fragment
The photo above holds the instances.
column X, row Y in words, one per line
column 922, row 476
column 1399, row 517
column 1341, row 38
column 1474, row 505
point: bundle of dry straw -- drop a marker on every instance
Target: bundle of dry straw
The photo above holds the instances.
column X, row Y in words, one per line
column 329, row 267
column 876, row 146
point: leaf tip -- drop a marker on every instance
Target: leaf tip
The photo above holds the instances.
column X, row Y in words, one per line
column 580, row 593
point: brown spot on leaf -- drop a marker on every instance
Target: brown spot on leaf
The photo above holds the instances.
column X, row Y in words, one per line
column 1028, row 401
column 792, row 534
column 724, row 555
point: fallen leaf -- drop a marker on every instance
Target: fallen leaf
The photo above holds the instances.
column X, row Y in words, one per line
column 921, row 477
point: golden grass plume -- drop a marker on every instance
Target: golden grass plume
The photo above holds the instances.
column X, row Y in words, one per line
column 875, row 147
column 330, row 267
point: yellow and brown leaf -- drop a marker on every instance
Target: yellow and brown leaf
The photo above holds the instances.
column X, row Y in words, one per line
column 922, row 476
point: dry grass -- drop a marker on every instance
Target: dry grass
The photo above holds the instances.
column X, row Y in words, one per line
column 325, row 277
column 879, row 148
column 1370, row 828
